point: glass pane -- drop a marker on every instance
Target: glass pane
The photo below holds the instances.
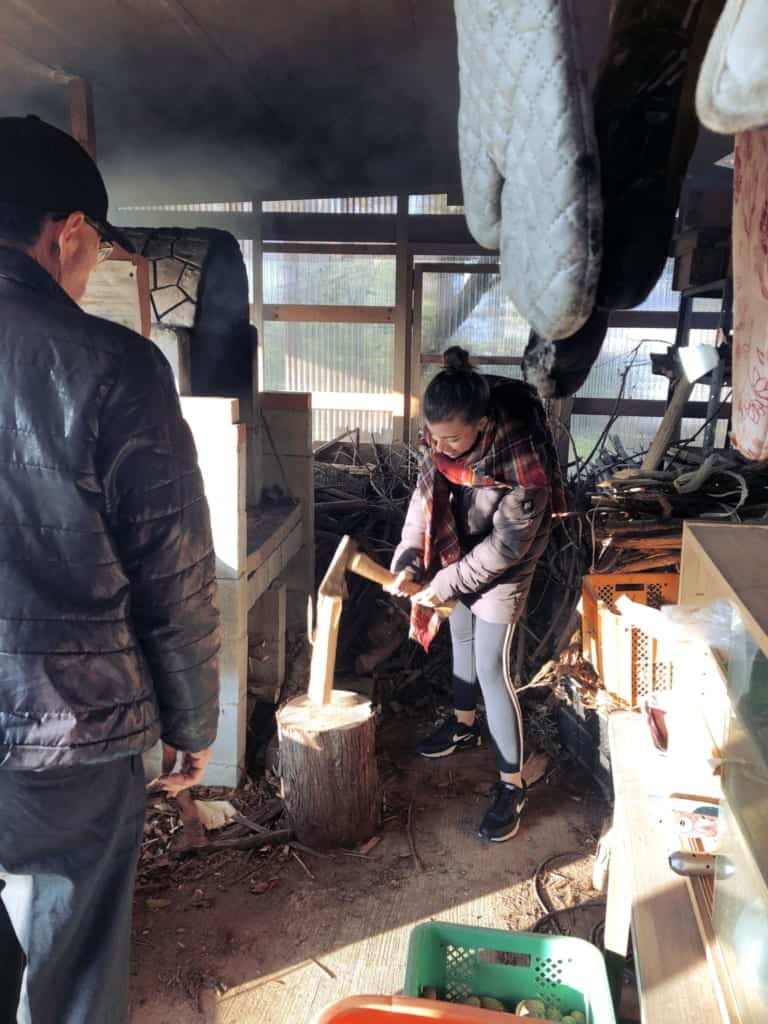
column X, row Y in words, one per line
column 663, row 296
column 629, row 347
column 335, row 362
column 433, row 204
column 340, row 204
column 430, row 370
column 635, row 432
column 329, row 279
column 707, row 305
column 470, row 310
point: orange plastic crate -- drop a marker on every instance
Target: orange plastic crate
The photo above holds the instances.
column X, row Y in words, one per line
column 401, row 1010
column 630, row 663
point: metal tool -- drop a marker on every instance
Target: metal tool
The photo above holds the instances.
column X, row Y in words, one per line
column 691, row 864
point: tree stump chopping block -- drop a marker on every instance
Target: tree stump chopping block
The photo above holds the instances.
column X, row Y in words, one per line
column 328, row 769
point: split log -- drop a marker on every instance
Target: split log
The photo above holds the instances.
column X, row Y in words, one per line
column 648, row 564
column 651, row 542
column 328, row 769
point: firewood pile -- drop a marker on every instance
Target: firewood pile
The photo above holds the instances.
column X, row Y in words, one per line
column 636, row 517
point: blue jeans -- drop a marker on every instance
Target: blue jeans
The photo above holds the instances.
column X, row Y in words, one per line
column 69, row 846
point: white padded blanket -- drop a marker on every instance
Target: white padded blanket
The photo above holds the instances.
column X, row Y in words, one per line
column 732, row 91
column 529, row 158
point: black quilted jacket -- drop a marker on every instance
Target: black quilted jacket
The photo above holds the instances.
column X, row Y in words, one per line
column 109, row 632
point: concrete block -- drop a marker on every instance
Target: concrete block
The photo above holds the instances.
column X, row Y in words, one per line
column 266, row 630
column 222, row 453
column 233, row 668
column 227, row 775
column 232, row 602
column 258, row 583
column 290, row 430
column 229, row 746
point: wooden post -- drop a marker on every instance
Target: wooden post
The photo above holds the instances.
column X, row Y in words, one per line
column 403, row 312
column 328, row 769
column 81, row 114
column 669, row 426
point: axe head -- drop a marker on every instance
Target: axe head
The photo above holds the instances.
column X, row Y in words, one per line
column 334, row 582
column 696, row 361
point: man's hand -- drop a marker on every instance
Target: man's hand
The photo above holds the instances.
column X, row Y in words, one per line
column 189, row 773
column 403, row 585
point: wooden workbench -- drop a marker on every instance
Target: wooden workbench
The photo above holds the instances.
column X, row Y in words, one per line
column 675, row 980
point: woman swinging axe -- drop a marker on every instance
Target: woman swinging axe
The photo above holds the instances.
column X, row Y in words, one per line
column 478, row 522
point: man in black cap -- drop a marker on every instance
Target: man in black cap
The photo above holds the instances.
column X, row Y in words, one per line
column 108, row 628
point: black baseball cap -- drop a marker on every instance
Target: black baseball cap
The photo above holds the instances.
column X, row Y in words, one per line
column 46, row 169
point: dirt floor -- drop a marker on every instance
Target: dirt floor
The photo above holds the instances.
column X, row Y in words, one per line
column 275, row 936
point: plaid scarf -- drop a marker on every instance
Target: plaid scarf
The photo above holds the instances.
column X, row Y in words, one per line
column 503, row 456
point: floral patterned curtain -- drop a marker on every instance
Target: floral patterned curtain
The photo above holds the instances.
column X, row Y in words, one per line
column 750, row 286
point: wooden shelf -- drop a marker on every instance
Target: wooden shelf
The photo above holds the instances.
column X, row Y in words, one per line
column 675, row 980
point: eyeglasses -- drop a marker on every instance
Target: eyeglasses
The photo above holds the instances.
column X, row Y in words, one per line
column 106, row 248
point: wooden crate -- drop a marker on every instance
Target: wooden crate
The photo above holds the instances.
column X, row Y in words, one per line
column 630, row 663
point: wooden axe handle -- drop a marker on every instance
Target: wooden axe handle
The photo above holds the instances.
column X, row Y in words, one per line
column 363, row 565
column 366, row 567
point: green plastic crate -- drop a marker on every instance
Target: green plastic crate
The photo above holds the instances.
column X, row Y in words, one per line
column 461, row 961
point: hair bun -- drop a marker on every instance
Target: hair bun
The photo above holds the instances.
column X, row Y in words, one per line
column 457, row 358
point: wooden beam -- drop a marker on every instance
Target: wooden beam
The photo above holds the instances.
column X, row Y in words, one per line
column 561, row 420
column 459, row 268
column 414, row 412
column 437, row 357
column 640, row 407
column 653, row 319
column 448, row 231
column 354, row 401
column 332, row 248
column 669, row 428
column 304, row 314
column 403, row 319
column 81, row 114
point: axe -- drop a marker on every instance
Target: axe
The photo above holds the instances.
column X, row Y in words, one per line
column 330, row 595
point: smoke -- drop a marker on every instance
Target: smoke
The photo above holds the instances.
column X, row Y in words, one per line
column 221, row 102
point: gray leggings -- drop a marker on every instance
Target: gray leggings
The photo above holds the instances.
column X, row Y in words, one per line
column 480, row 654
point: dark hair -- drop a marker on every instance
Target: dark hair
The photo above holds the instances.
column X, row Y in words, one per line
column 20, row 225
column 457, row 390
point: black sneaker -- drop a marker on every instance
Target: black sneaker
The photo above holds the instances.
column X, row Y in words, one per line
column 502, row 819
column 448, row 738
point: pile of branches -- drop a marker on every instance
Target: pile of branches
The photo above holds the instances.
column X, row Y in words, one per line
column 636, row 517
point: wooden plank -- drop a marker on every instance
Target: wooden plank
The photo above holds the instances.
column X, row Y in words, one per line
column 81, row 114
column 640, row 407
column 297, row 313
column 725, row 560
column 647, row 543
column 661, row 319
column 674, row 978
